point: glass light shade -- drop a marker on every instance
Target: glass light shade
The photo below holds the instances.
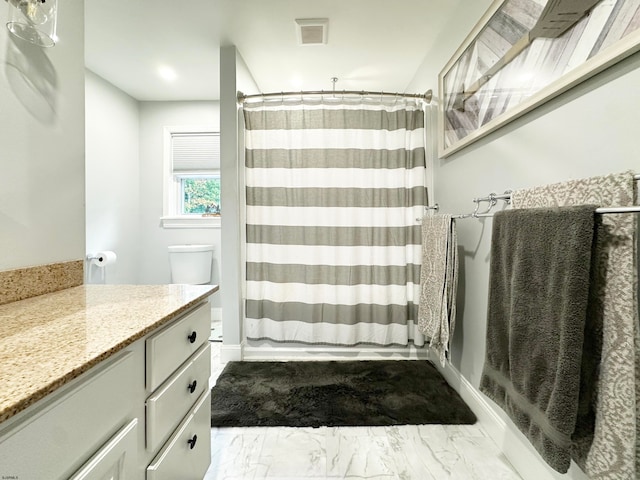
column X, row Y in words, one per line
column 34, row 21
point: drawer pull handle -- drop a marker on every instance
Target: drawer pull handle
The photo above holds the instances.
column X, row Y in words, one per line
column 192, row 442
column 192, row 386
column 192, row 337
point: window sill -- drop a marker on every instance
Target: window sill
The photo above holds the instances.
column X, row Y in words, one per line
column 185, row 221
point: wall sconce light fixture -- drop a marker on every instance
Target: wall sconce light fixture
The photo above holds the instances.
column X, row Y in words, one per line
column 34, row 21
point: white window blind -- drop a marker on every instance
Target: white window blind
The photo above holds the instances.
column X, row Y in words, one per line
column 195, row 151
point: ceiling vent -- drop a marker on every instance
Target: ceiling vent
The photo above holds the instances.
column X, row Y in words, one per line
column 312, row 31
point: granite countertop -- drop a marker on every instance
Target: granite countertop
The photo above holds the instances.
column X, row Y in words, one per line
column 48, row 340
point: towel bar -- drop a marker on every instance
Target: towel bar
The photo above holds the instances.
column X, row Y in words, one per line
column 506, row 197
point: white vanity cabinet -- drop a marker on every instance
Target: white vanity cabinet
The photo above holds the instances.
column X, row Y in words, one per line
column 55, row 438
column 116, row 460
column 136, row 412
column 178, row 408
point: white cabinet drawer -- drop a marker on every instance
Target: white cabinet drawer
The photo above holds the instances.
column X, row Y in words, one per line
column 187, row 454
column 171, row 402
column 116, row 460
column 169, row 348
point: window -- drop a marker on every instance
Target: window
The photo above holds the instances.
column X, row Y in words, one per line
column 192, row 166
column 200, row 194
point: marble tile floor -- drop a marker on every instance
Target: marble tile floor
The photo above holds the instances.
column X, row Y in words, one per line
column 216, row 331
column 407, row 452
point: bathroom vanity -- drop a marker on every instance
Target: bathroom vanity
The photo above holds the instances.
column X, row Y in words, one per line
column 106, row 381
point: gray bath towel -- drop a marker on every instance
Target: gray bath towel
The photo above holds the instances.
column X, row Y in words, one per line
column 438, row 282
column 605, row 443
column 538, row 295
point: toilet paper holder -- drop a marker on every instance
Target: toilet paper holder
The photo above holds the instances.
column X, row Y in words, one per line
column 102, row 259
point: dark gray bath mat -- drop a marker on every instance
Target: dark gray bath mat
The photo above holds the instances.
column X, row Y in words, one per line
column 351, row 393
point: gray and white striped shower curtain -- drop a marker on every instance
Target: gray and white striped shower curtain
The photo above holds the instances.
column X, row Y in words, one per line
column 333, row 192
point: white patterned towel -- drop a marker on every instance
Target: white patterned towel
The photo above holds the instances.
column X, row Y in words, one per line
column 438, row 282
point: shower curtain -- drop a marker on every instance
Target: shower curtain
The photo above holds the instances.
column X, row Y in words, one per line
column 333, row 194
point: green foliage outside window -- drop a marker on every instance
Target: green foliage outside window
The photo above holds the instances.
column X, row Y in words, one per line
column 201, row 195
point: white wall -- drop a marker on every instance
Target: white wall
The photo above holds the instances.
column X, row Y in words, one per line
column 42, row 145
column 234, row 76
column 590, row 130
column 125, row 162
column 153, row 239
column 112, row 180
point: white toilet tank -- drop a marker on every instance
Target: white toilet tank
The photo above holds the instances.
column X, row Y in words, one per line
column 190, row 263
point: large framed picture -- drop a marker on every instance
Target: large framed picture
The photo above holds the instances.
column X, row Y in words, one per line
column 525, row 52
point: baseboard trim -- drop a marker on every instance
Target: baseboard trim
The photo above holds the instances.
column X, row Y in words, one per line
column 278, row 353
column 231, row 353
column 505, row 434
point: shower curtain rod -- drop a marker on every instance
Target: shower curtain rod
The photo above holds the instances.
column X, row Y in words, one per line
column 427, row 96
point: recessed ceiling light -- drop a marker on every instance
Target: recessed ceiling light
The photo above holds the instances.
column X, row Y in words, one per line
column 167, row 73
column 296, row 81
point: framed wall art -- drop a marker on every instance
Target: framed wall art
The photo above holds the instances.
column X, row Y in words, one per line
column 525, row 52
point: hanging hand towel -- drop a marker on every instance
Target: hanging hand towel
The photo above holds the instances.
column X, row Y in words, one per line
column 538, row 294
column 605, row 443
column 438, row 282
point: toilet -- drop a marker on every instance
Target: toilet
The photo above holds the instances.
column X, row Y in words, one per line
column 190, row 263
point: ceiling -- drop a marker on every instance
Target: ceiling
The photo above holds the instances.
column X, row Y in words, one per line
column 372, row 44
